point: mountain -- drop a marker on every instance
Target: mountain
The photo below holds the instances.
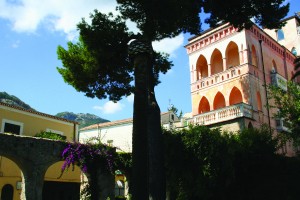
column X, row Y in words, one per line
column 83, row 119
column 13, row 100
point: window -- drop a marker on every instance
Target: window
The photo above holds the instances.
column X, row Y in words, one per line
column 280, row 35
column 298, row 30
column 55, row 131
column 9, row 126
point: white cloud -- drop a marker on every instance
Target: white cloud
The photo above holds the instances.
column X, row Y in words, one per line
column 110, row 107
column 63, row 15
column 28, row 15
column 169, row 45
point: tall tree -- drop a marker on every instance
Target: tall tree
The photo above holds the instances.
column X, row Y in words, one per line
column 99, row 65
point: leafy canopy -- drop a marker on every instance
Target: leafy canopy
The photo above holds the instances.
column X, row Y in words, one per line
column 98, row 64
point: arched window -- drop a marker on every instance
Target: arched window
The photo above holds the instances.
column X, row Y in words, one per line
column 203, row 106
column 119, row 188
column 201, row 67
column 232, row 55
column 219, row 101
column 250, row 126
column 7, row 192
column 235, row 96
column 253, row 56
column 216, row 62
column 259, row 104
column 280, row 35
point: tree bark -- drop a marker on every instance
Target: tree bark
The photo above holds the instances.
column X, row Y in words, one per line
column 139, row 186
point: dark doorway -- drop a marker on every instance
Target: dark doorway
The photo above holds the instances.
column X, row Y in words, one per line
column 7, row 192
column 53, row 190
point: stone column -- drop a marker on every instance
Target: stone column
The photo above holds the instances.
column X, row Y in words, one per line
column 209, row 69
column 224, row 64
column 33, row 180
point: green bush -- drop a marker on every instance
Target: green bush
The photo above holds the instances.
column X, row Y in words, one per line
column 50, row 135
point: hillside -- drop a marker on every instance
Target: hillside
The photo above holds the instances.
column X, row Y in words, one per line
column 13, row 100
column 84, row 119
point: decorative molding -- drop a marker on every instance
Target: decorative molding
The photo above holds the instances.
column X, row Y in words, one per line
column 210, row 39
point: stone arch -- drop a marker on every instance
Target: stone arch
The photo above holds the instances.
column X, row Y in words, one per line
column 259, row 103
column 253, row 56
column 235, row 96
column 274, row 66
column 203, row 105
column 219, row 101
column 201, row 67
column 7, row 192
column 216, row 62
column 232, row 55
column 66, row 187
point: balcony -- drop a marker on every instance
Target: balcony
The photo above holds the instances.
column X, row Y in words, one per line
column 279, row 81
column 223, row 114
column 231, row 73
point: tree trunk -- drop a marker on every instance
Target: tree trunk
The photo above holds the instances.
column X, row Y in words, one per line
column 157, row 184
column 139, row 184
column 148, row 178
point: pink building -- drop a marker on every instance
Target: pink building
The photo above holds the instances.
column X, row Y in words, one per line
column 229, row 70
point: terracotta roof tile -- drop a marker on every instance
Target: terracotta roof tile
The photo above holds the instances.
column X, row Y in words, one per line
column 37, row 113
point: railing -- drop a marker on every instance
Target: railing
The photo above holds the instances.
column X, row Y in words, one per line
column 231, row 72
column 223, row 114
column 279, row 81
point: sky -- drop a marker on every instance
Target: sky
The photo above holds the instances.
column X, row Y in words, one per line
column 31, row 31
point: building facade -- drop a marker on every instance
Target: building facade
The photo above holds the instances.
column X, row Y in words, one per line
column 24, row 122
column 229, row 70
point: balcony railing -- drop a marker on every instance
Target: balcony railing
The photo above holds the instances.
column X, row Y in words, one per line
column 279, row 81
column 231, row 72
column 223, row 114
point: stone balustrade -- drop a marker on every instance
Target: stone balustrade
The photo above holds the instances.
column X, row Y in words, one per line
column 230, row 73
column 222, row 114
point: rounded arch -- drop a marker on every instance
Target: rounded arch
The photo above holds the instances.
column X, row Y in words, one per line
column 201, row 67
column 274, row 66
column 259, row 103
column 232, row 55
column 216, row 62
column 235, row 96
column 219, row 101
column 253, row 56
column 7, row 192
column 66, row 187
column 203, row 105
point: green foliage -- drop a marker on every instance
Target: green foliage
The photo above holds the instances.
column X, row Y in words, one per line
column 98, row 64
column 261, row 11
column 208, row 164
column 50, row 135
column 288, row 105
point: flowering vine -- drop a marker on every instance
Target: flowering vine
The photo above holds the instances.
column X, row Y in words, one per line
column 86, row 156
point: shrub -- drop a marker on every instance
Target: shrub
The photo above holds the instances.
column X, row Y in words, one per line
column 50, row 135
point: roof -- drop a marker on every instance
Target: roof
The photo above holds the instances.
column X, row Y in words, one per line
column 107, row 124
column 118, row 122
column 37, row 113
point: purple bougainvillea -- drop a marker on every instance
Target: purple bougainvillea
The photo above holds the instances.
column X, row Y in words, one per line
column 86, row 156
